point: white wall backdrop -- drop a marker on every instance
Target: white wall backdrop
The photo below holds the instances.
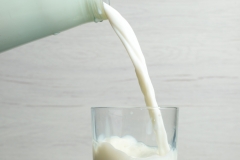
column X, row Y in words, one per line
column 192, row 48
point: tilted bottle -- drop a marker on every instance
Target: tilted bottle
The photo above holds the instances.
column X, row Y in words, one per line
column 23, row 21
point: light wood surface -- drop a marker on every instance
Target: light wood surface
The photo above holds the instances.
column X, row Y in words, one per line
column 192, row 49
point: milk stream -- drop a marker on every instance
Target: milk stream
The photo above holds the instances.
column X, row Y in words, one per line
column 130, row 42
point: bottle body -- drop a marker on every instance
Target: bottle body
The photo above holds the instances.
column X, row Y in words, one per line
column 27, row 20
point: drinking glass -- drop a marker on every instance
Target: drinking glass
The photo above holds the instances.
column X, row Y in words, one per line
column 132, row 123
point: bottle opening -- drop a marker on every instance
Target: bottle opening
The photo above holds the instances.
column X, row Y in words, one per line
column 107, row 1
column 98, row 9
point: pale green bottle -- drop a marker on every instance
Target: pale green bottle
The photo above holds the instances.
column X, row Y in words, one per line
column 23, row 21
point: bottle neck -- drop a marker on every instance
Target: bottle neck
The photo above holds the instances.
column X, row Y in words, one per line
column 98, row 10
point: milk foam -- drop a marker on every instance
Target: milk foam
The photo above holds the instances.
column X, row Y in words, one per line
column 127, row 148
column 129, row 40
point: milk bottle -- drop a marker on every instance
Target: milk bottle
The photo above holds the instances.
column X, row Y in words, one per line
column 23, row 21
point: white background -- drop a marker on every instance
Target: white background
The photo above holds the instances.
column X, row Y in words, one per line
column 192, row 49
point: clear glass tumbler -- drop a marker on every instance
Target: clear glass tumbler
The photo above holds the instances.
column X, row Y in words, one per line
column 127, row 133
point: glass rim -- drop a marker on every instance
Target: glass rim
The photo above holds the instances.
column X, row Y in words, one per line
column 140, row 107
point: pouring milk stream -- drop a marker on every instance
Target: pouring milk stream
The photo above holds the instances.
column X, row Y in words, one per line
column 130, row 42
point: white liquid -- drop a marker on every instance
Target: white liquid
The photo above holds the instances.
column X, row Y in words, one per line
column 127, row 148
column 107, row 150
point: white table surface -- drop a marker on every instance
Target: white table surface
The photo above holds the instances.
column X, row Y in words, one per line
column 192, row 48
